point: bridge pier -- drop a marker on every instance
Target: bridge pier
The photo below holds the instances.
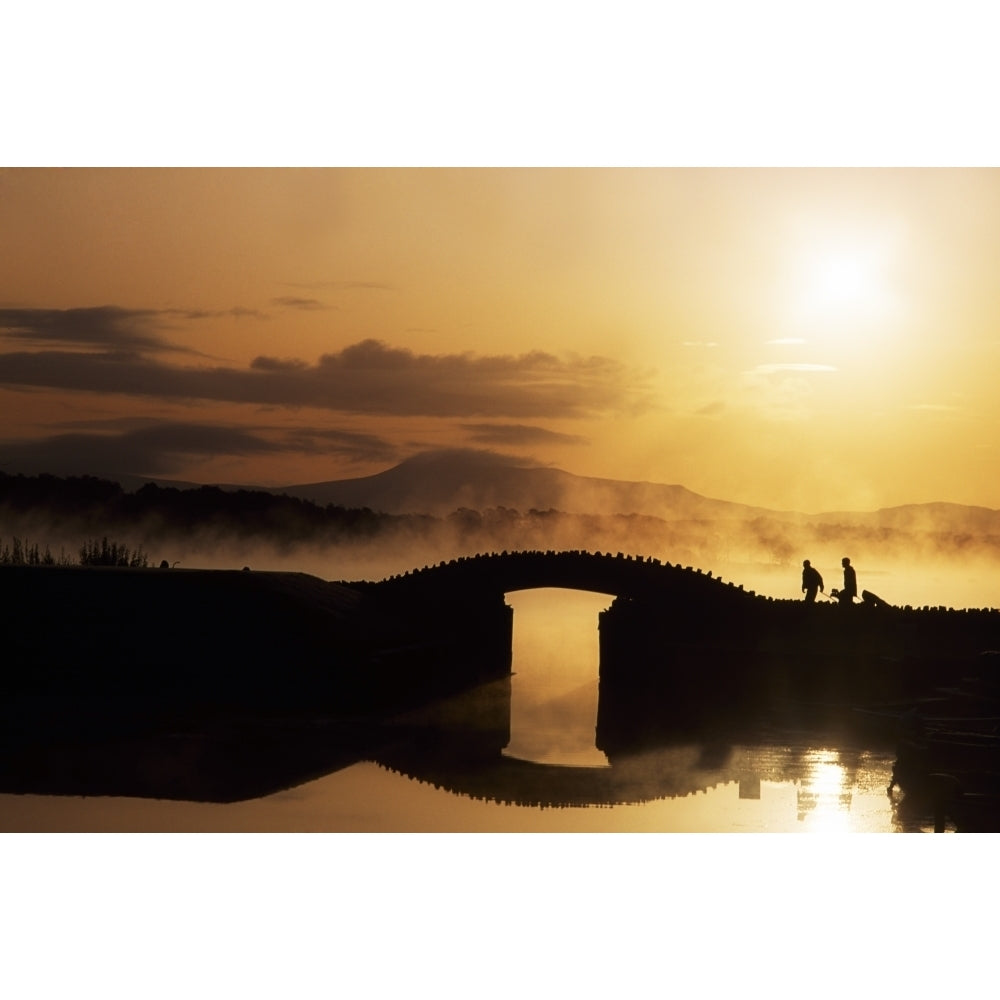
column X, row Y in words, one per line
column 429, row 646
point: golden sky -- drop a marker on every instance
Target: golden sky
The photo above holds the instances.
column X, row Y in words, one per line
column 811, row 339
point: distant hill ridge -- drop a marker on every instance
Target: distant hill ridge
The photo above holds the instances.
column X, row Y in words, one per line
column 441, row 482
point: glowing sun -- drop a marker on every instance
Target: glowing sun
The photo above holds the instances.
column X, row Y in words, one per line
column 842, row 280
column 842, row 288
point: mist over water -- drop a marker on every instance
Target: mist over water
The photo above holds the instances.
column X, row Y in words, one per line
column 928, row 554
column 963, row 582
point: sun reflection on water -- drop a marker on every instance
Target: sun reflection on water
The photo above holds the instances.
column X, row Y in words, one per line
column 825, row 794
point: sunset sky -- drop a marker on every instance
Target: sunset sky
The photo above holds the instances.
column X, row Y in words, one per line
column 795, row 338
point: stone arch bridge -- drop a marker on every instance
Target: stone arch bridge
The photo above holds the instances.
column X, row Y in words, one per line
column 676, row 637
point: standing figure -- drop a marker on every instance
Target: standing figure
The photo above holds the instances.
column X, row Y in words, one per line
column 850, row 590
column 811, row 581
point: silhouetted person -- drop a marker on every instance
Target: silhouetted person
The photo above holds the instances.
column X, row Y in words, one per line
column 811, row 581
column 850, row 590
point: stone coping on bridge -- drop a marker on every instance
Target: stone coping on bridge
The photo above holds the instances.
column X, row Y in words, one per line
column 644, row 568
column 575, row 556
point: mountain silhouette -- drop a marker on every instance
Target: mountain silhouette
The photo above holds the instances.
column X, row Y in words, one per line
column 440, row 482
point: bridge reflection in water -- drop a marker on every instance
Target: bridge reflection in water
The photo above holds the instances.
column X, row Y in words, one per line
column 554, row 685
column 458, row 747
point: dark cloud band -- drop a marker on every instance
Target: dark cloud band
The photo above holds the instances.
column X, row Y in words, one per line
column 109, row 327
column 367, row 377
column 164, row 448
column 101, row 326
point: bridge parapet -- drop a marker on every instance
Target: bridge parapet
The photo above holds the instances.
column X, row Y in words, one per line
column 619, row 575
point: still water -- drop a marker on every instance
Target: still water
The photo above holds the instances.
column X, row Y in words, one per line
column 550, row 776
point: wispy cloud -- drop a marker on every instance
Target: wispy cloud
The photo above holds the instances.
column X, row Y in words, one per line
column 776, row 369
column 100, row 326
column 294, row 302
column 351, row 445
column 518, row 434
column 341, row 286
column 239, row 312
column 109, row 327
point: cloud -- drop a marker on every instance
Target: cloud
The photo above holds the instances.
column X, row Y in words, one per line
column 518, row 434
column 776, row 369
column 368, row 377
column 268, row 364
column 448, row 461
column 342, row 286
column 238, row 311
column 109, row 327
column 101, row 326
column 294, row 302
column 157, row 450
column 150, row 448
column 352, row 445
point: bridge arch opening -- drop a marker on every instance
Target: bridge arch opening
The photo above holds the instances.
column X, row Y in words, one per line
column 554, row 688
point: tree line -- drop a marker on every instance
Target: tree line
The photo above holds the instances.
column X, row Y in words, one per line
column 87, row 503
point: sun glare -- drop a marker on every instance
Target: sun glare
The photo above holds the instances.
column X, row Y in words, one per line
column 841, row 289
column 843, row 280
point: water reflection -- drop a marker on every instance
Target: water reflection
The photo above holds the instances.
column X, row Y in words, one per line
column 369, row 798
column 514, row 755
column 554, row 688
column 444, row 768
